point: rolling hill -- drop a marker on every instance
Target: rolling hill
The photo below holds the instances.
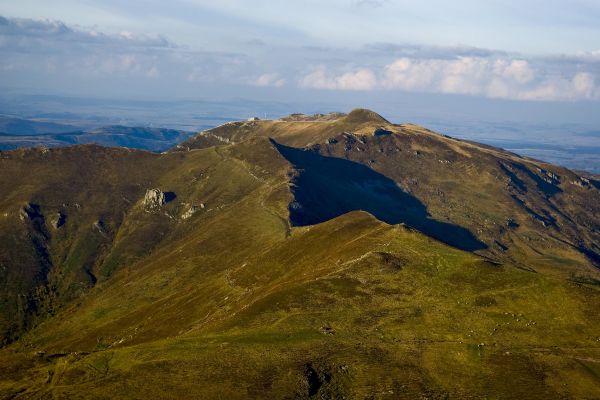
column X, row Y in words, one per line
column 327, row 256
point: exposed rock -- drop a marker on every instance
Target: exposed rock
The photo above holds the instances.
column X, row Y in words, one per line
column 295, row 205
column 382, row 132
column 511, row 223
column 154, row 199
column 191, row 211
column 501, row 245
column 549, row 177
column 31, row 212
column 32, row 215
column 58, row 220
column 99, row 226
column 327, row 330
column 553, row 176
column 581, row 182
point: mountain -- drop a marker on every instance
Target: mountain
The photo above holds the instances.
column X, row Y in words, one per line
column 19, row 133
column 337, row 256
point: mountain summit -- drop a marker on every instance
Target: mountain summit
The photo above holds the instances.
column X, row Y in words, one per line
column 327, row 256
column 362, row 115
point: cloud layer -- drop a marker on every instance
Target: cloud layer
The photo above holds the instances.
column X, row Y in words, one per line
column 48, row 52
column 491, row 76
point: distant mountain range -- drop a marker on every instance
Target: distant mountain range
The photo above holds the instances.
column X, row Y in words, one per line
column 17, row 132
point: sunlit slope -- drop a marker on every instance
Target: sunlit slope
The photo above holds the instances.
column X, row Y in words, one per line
column 99, row 195
column 351, row 307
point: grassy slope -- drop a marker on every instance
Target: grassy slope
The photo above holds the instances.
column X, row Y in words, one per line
column 372, row 309
column 235, row 303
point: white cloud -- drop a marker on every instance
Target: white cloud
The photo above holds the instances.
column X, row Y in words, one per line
column 405, row 74
column 319, row 78
column 269, row 79
column 519, row 70
column 581, row 87
column 363, row 79
column 489, row 77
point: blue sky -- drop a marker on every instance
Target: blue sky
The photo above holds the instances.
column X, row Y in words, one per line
column 528, row 50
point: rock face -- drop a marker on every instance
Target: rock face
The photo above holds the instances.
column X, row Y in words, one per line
column 154, row 199
column 382, row 132
column 99, row 227
column 31, row 212
column 58, row 220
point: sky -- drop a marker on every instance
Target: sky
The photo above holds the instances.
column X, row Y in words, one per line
column 529, row 51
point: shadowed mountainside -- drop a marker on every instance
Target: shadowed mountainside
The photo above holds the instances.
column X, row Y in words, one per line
column 327, row 187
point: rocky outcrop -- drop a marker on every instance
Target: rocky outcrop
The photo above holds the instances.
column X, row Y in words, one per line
column 154, row 199
column 382, row 132
column 31, row 212
column 581, row 182
column 99, row 226
column 191, row 211
column 58, row 220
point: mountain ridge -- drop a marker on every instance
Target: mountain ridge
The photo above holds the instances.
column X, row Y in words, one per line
column 297, row 259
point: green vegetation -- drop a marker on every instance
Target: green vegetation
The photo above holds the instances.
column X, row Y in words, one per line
column 131, row 300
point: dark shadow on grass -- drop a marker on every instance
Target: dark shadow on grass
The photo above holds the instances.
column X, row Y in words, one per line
column 327, row 187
